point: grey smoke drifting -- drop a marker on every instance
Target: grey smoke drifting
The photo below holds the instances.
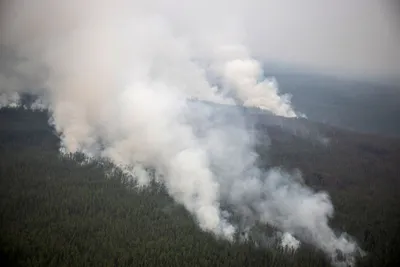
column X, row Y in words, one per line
column 117, row 76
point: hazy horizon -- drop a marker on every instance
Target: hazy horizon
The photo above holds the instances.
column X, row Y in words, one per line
column 358, row 38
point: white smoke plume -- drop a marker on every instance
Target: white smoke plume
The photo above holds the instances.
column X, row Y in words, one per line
column 289, row 242
column 116, row 77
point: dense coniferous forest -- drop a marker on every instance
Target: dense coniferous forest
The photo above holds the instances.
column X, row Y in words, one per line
column 56, row 211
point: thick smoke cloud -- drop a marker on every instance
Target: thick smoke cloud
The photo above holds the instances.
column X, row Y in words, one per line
column 117, row 77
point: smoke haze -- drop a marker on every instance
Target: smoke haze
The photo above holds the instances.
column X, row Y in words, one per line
column 357, row 38
column 117, row 77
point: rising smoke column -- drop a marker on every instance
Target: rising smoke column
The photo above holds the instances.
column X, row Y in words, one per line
column 116, row 77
